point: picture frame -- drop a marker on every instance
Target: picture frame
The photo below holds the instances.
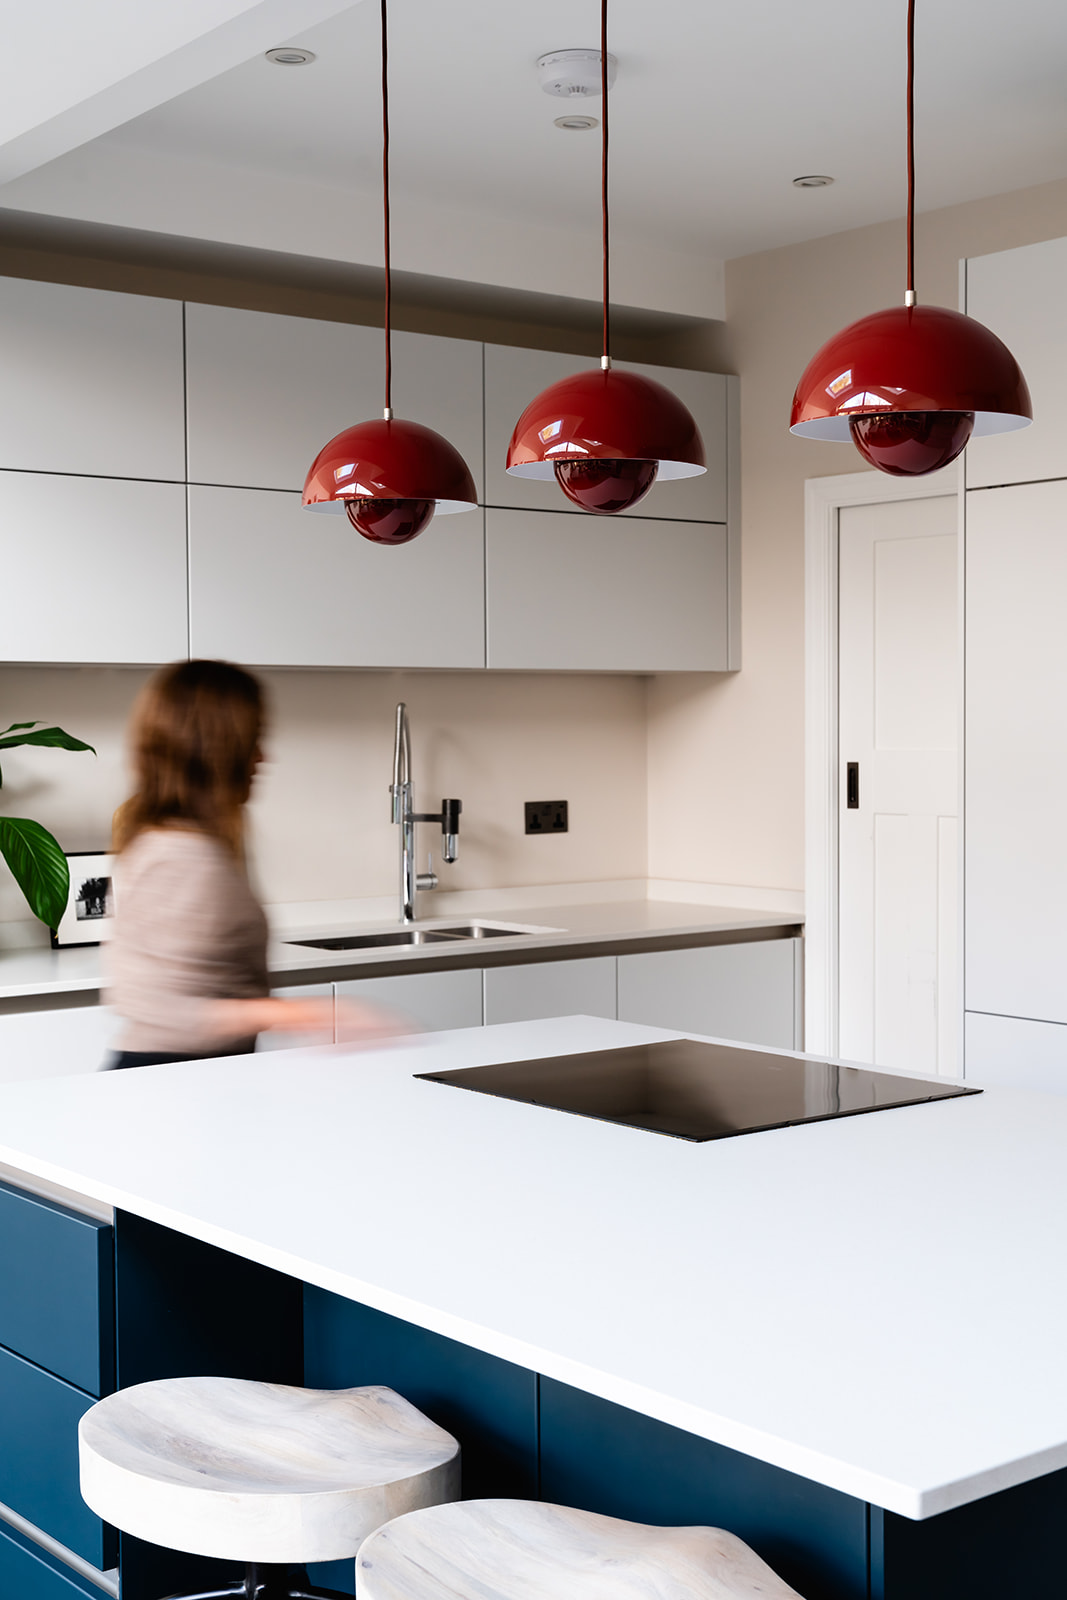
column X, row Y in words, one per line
column 90, row 913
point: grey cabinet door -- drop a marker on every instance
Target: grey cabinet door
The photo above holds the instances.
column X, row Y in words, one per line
column 745, row 992
column 585, row 987
column 90, row 381
column 431, row 1000
column 1019, row 294
column 603, row 594
column 275, row 585
column 514, row 377
column 266, row 392
column 100, row 563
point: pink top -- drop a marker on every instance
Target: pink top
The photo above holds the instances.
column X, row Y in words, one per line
column 188, row 930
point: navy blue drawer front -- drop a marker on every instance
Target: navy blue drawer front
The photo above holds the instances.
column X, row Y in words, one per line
column 29, row 1573
column 57, row 1303
column 39, row 1417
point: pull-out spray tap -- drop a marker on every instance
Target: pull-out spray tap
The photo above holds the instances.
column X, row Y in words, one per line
column 405, row 817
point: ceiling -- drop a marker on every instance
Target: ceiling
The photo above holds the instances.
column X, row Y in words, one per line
column 716, row 109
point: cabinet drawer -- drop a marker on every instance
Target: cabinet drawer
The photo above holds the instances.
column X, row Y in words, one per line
column 56, row 1289
column 39, row 1418
column 29, row 1573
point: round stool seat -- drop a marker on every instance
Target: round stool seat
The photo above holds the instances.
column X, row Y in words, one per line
column 525, row 1550
column 259, row 1472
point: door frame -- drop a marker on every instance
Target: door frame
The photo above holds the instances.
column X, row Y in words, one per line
column 823, row 500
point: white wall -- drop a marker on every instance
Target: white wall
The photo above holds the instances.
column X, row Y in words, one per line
column 321, row 827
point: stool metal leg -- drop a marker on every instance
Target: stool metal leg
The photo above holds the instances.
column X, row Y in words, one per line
column 267, row 1583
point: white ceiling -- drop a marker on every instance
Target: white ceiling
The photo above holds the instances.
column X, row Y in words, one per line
column 716, row 109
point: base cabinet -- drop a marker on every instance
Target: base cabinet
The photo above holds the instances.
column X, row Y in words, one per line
column 551, row 989
column 1015, row 1053
column 432, row 1000
column 746, row 992
column 55, row 1044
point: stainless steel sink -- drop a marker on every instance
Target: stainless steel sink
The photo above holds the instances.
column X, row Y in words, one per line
column 410, row 936
column 375, row 941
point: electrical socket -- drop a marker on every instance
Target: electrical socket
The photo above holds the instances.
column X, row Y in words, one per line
column 546, row 816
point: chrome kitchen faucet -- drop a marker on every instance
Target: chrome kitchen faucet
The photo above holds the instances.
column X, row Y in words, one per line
column 405, row 816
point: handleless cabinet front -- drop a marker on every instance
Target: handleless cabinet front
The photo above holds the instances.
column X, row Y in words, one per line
column 275, row 585
column 605, row 594
column 744, row 992
column 583, row 987
column 431, row 1000
column 100, row 566
column 90, row 382
column 266, row 392
column 1019, row 295
column 514, row 377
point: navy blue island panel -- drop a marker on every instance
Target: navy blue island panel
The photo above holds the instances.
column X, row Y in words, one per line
column 182, row 1307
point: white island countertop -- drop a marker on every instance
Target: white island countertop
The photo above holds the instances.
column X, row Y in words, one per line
column 877, row 1303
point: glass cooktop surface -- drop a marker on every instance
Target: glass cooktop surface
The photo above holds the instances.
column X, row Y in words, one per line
column 698, row 1091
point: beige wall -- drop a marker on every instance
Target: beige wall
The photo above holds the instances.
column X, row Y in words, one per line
column 730, row 749
column 321, row 827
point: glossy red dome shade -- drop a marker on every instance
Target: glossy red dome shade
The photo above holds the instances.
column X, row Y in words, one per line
column 621, row 418
column 396, row 462
column 911, row 359
column 606, row 486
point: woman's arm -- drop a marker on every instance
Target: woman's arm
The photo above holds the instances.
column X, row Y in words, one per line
column 238, row 1019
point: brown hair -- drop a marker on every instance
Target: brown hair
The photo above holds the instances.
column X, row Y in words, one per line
column 194, row 738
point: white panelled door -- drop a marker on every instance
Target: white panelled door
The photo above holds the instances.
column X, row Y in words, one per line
column 897, row 703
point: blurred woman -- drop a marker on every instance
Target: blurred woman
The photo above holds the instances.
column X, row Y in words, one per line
column 189, row 955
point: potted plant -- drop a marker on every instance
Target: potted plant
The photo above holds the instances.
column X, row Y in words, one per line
column 37, row 863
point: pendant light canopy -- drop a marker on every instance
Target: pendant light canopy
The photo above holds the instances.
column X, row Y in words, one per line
column 389, row 476
column 605, row 436
column 912, row 384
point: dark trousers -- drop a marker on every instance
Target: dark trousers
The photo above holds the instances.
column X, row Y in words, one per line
column 118, row 1059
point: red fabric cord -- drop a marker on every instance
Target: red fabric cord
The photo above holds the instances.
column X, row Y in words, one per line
column 604, row 159
column 911, row 145
column 385, row 209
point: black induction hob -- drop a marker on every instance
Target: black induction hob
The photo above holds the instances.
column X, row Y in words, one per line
column 697, row 1091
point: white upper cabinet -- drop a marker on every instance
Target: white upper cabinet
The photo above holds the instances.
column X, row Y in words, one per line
column 1016, row 751
column 1019, row 295
column 266, row 392
column 514, row 377
column 605, row 594
column 90, row 382
column 94, row 569
column 276, row 585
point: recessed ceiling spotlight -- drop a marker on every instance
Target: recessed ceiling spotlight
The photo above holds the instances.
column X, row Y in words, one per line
column 576, row 124
column 290, row 55
column 813, row 180
column 574, row 74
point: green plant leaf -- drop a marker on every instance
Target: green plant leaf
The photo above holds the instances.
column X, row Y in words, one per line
column 53, row 738
column 38, row 865
column 16, row 725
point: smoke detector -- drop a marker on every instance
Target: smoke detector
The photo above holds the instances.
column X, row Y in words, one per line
column 290, row 55
column 574, row 74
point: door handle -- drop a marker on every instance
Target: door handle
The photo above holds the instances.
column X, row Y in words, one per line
column 852, row 786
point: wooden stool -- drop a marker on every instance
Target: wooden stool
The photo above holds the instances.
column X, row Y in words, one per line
column 260, row 1473
column 525, row 1550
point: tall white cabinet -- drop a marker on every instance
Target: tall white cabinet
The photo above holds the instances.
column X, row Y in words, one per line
column 1016, row 692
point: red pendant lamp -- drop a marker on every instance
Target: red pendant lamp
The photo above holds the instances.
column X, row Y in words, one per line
column 910, row 385
column 388, row 475
column 605, row 435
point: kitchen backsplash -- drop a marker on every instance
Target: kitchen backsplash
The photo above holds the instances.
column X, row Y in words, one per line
column 320, row 811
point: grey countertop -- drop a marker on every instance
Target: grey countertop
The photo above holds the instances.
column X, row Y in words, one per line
column 59, row 976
